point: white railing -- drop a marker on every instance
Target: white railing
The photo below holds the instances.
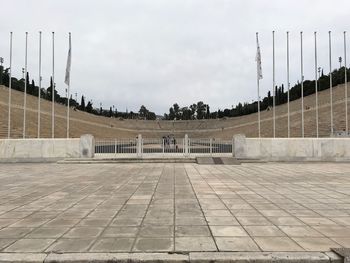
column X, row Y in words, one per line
column 209, row 147
column 162, row 147
column 113, row 148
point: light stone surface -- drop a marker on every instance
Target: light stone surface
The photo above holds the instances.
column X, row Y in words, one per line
column 239, row 145
column 292, row 149
column 87, row 146
column 264, row 257
column 86, row 208
column 38, row 148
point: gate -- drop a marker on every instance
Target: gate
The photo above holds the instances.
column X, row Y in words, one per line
column 162, row 148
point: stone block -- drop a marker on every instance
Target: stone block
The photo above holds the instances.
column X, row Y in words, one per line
column 87, row 146
column 239, row 145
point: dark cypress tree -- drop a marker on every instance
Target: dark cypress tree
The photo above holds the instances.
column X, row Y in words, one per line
column 49, row 90
column 33, row 89
column 110, row 112
column 82, row 103
column 208, row 112
column 1, row 74
column 276, row 95
column 29, row 88
column 269, row 99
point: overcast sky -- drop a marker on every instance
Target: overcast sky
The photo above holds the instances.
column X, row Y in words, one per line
column 158, row 52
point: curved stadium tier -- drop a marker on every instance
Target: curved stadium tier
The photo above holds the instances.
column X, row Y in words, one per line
column 103, row 127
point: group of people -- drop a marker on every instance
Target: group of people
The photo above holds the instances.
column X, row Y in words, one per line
column 169, row 141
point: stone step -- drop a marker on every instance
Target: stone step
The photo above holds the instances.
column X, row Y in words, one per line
column 126, row 160
column 205, row 257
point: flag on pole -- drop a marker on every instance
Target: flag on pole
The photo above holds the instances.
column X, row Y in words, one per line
column 67, row 80
column 259, row 76
column 69, row 58
column 258, row 59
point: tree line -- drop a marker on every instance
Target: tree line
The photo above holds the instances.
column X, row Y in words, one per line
column 46, row 93
column 199, row 110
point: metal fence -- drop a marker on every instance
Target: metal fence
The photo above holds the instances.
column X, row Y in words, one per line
column 162, row 147
column 116, row 147
column 209, row 146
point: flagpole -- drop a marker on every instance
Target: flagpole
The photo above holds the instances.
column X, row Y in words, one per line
column 39, row 92
column 273, row 83
column 302, row 83
column 330, row 79
column 53, row 87
column 10, row 91
column 25, row 88
column 259, row 129
column 68, row 91
column 316, row 86
column 346, row 88
column 258, row 85
column 288, row 85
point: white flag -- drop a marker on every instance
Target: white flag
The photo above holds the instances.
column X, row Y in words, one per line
column 258, row 59
column 67, row 77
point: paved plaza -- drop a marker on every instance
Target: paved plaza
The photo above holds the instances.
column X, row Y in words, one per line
column 174, row 207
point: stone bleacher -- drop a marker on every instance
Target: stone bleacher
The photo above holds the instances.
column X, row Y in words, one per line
column 103, row 127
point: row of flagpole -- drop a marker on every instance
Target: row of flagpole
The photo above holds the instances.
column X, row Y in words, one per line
column 260, row 76
column 67, row 82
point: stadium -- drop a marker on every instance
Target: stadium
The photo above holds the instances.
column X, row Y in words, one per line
column 225, row 128
column 264, row 178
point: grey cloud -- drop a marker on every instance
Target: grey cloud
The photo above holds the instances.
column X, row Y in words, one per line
column 132, row 52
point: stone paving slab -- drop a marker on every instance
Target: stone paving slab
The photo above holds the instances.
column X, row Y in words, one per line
column 174, row 208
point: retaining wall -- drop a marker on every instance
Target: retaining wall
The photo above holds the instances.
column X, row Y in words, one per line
column 292, row 149
column 46, row 149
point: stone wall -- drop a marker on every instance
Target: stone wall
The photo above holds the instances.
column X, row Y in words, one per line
column 292, row 149
column 46, row 149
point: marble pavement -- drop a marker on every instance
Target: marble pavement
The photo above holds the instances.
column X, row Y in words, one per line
column 174, row 207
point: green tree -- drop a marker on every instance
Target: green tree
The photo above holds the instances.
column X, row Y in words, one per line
column 143, row 112
column 116, row 112
column 200, row 110
column 110, row 112
column 89, row 107
column 186, row 113
column 208, row 112
column 29, row 88
column 1, row 74
column 177, row 111
column 193, row 109
column 82, row 103
column 171, row 113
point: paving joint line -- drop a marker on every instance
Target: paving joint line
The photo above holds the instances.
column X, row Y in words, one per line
column 230, row 209
column 206, row 221
column 149, row 204
column 112, row 219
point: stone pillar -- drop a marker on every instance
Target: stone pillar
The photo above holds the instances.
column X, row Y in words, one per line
column 239, row 146
column 186, row 145
column 87, row 146
column 139, row 146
